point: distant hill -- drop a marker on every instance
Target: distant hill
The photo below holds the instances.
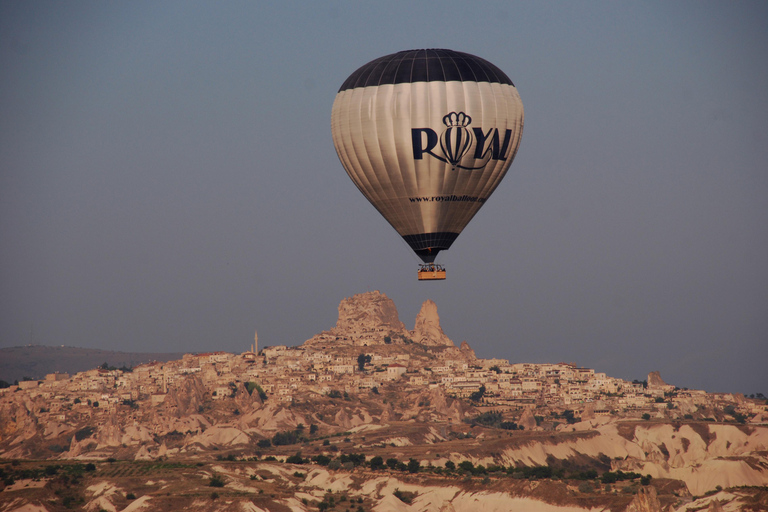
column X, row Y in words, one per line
column 35, row 361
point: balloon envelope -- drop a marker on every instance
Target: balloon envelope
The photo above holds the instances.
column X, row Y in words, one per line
column 427, row 135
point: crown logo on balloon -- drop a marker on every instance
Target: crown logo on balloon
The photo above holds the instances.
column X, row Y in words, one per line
column 457, row 119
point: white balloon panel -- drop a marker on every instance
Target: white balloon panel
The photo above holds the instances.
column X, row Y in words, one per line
column 385, row 137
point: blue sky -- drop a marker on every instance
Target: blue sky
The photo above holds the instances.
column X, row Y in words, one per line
column 168, row 181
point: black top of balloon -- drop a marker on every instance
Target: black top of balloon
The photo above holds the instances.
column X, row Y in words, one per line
column 432, row 65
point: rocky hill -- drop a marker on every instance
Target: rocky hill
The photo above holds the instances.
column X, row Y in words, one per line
column 372, row 416
column 371, row 318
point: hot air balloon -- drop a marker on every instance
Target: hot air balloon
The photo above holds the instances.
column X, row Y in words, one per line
column 426, row 136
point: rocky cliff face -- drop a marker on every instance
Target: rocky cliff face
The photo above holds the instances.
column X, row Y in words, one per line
column 427, row 330
column 371, row 318
column 655, row 380
column 368, row 312
column 187, row 398
column 645, row 500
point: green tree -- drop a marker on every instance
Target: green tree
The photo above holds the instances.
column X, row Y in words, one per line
column 362, row 360
column 477, row 395
column 467, row 466
column 295, row 459
column 377, row 463
column 569, row 417
column 322, row 460
column 286, row 438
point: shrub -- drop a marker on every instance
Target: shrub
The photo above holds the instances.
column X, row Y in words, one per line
column 216, row 481
column 286, row 438
column 322, row 460
column 357, row 459
column 537, row 472
column 252, row 386
column 590, row 474
column 295, row 459
column 610, row 477
column 487, row 419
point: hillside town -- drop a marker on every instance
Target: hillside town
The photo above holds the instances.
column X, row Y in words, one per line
column 369, row 348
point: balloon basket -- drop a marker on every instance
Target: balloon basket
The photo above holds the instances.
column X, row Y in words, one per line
column 431, row 272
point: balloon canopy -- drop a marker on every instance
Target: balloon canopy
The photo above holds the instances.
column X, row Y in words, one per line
column 427, row 135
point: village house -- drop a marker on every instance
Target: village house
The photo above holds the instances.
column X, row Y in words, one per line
column 395, row 371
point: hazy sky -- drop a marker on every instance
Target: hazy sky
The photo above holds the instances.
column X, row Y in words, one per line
column 168, row 181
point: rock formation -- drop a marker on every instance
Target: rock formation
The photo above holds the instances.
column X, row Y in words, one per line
column 527, row 419
column 467, row 351
column 715, row 506
column 370, row 311
column 186, row 398
column 645, row 500
column 371, row 318
column 364, row 319
column 655, row 380
column 427, row 330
